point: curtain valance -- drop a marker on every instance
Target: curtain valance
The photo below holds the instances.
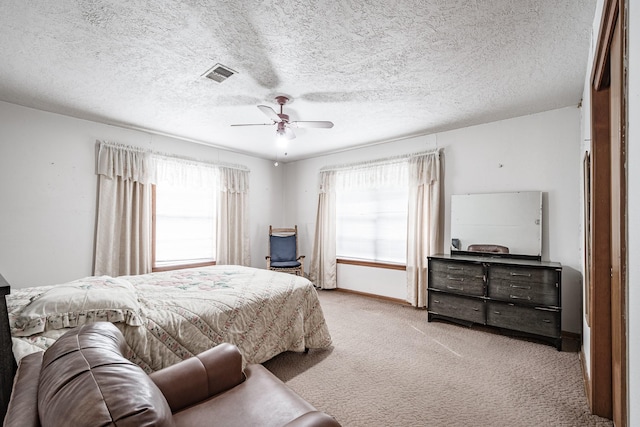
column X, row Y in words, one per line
column 396, row 171
column 129, row 163
column 234, row 180
column 327, row 181
column 147, row 167
column 180, row 173
column 375, row 176
column 424, row 169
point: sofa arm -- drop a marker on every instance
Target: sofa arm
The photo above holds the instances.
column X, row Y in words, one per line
column 200, row 377
column 314, row 419
column 23, row 406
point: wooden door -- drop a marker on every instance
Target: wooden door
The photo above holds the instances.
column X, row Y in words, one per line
column 607, row 385
column 618, row 233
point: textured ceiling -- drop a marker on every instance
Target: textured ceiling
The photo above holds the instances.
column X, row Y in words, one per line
column 378, row 70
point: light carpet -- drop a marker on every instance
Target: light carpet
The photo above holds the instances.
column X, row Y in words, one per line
column 389, row 367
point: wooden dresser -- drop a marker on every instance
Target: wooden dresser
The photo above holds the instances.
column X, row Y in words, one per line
column 518, row 295
column 7, row 361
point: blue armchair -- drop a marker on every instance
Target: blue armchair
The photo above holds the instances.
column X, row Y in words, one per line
column 283, row 251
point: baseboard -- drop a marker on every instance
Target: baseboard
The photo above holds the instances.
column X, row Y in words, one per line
column 375, row 296
column 586, row 381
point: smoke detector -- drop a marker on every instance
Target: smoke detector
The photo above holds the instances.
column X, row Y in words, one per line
column 219, row 73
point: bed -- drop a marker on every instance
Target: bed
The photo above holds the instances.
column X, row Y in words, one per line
column 176, row 314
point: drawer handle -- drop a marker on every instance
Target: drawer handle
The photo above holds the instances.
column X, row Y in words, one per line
column 528, row 298
column 546, row 309
column 457, row 279
column 546, row 320
column 451, row 267
column 436, row 301
column 497, row 312
column 519, row 287
column 475, row 309
column 455, row 288
column 520, row 274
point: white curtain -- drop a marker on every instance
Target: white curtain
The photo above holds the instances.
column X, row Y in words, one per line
column 185, row 173
column 322, row 270
column 123, row 227
column 373, row 175
column 232, row 233
column 423, row 235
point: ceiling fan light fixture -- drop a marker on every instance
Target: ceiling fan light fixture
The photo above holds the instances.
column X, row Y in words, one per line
column 281, row 137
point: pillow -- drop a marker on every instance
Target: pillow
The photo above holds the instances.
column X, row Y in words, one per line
column 89, row 300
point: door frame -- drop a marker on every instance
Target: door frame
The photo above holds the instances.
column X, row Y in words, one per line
column 607, row 385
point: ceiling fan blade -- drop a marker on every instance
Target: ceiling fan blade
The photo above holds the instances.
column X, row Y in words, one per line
column 254, row 124
column 269, row 112
column 318, row 124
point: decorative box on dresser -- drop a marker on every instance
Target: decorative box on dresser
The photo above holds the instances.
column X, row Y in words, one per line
column 521, row 295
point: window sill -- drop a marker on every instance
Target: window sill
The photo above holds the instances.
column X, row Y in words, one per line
column 375, row 264
column 182, row 266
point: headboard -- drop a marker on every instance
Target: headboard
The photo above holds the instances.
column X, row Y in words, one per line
column 7, row 361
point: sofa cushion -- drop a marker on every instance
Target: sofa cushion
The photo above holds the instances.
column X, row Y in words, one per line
column 85, row 381
column 283, row 248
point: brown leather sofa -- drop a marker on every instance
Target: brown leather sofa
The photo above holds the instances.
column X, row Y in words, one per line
column 83, row 380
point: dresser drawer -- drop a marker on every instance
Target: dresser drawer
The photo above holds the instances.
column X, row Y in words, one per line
column 540, row 321
column 457, row 277
column 458, row 307
column 521, row 284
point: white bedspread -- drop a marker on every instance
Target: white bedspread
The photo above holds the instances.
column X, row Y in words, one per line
column 188, row 311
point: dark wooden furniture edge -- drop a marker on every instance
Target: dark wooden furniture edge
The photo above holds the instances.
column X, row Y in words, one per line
column 556, row 342
column 478, row 257
column 496, row 255
column 7, row 361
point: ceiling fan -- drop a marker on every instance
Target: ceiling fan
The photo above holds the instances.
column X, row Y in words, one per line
column 282, row 120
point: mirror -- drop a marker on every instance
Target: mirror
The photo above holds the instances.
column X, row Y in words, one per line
column 500, row 222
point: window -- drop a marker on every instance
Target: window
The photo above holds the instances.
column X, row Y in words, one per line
column 375, row 219
column 184, row 216
column 371, row 224
column 184, row 226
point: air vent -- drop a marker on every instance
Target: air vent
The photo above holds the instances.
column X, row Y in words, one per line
column 219, row 73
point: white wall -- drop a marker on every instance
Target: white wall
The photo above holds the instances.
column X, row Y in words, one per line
column 539, row 152
column 633, row 219
column 48, row 192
